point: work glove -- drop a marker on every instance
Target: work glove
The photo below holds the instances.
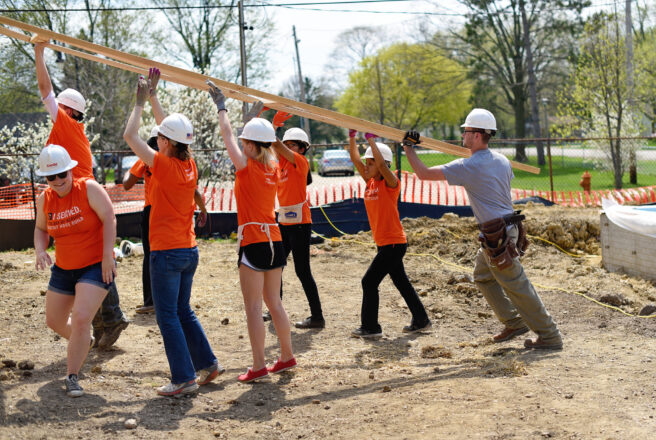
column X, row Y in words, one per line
column 143, row 91
column 368, row 136
column 280, row 118
column 217, row 96
column 153, row 79
column 255, row 111
column 411, row 138
column 352, row 132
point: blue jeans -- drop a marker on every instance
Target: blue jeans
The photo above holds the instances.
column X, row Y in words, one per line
column 187, row 349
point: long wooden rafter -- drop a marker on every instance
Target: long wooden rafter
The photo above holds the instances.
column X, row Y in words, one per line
column 137, row 64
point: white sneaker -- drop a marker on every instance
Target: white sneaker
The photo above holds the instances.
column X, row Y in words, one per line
column 178, row 388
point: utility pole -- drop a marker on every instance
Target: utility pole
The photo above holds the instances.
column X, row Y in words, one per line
column 242, row 52
column 628, row 29
column 535, row 115
column 305, row 123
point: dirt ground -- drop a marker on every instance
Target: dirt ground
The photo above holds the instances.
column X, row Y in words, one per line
column 449, row 383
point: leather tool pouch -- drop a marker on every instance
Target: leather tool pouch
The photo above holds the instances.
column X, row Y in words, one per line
column 498, row 245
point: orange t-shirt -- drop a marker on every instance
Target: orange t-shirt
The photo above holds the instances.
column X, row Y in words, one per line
column 140, row 169
column 381, row 203
column 255, row 192
column 292, row 187
column 171, row 191
column 69, row 133
column 75, row 226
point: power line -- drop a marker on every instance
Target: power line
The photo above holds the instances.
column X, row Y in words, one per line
column 191, row 7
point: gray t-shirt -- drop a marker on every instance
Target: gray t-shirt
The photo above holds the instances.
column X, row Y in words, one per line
column 486, row 177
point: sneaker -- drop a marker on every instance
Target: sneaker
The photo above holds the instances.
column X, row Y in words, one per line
column 207, row 375
column 364, row 333
column 266, row 316
column 144, row 310
column 311, row 323
column 281, row 366
column 541, row 344
column 251, row 375
column 111, row 334
column 414, row 328
column 73, row 389
column 178, row 388
column 509, row 333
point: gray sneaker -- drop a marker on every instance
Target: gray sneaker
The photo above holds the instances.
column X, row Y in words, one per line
column 207, row 375
column 73, row 389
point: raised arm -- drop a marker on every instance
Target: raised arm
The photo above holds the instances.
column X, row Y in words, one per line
column 99, row 201
column 42, row 75
column 129, row 181
column 390, row 179
column 41, row 237
column 153, row 80
column 411, row 139
column 236, row 155
column 282, row 150
column 355, row 156
column 131, row 134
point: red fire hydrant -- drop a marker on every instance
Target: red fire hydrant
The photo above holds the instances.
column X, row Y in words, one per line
column 585, row 181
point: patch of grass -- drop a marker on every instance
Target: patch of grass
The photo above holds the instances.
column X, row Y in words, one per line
column 566, row 172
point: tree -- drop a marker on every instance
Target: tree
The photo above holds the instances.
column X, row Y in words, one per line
column 317, row 94
column 600, row 99
column 493, row 45
column 407, row 86
column 351, row 47
column 210, row 35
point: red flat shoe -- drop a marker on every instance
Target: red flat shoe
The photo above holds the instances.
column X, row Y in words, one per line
column 251, row 375
column 281, row 366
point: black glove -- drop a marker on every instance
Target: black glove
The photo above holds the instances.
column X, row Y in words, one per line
column 411, row 138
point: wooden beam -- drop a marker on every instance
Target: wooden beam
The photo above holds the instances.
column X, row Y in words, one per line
column 189, row 78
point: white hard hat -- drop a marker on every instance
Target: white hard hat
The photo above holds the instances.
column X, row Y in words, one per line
column 154, row 131
column 258, row 130
column 178, row 128
column 54, row 159
column 73, row 99
column 385, row 151
column 296, row 134
column 481, row 118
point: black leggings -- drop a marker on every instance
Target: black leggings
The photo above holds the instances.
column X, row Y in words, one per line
column 145, row 272
column 296, row 239
column 388, row 260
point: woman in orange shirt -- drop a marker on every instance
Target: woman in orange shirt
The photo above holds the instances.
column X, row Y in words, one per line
column 380, row 200
column 173, row 251
column 295, row 218
column 261, row 253
column 78, row 214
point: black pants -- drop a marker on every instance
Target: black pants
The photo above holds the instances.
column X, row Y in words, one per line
column 145, row 272
column 296, row 239
column 388, row 260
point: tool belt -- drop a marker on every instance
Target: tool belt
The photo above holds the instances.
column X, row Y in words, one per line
column 498, row 245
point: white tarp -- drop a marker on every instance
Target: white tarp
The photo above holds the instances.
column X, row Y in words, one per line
column 628, row 217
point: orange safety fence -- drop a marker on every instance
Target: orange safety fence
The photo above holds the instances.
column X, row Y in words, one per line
column 16, row 201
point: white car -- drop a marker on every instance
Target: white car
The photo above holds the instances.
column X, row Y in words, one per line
column 335, row 161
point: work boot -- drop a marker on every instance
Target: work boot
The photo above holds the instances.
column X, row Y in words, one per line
column 310, row 323
column 509, row 333
column 111, row 334
column 541, row 344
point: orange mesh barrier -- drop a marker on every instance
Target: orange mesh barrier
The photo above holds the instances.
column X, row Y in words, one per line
column 17, row 202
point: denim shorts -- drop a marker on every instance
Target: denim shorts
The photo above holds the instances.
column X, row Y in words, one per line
column 257, row 256
column 64, row 281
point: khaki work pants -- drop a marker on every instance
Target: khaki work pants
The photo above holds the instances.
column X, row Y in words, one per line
column 512, row 296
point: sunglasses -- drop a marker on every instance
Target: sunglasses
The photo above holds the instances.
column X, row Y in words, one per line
column 61, row 175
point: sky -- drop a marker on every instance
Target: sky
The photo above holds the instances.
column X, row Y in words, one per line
column 317, row 28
